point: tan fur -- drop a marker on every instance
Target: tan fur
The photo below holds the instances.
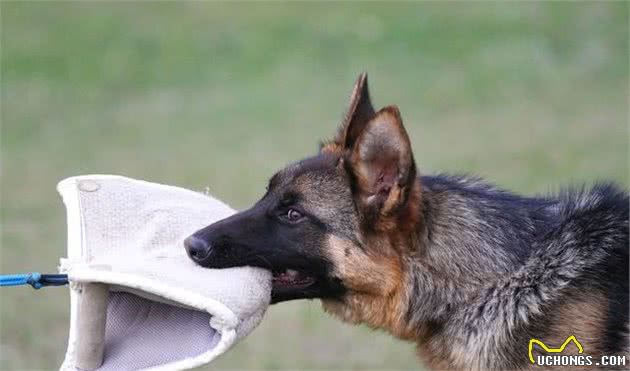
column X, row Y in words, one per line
column 331, row 148
column 374, row 273
column 585, row 318
column 377, row 288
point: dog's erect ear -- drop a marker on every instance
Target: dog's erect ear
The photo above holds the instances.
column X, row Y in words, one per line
column 383, row 169
column 359, row 112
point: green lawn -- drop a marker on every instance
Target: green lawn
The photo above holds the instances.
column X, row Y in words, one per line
column 530, row 95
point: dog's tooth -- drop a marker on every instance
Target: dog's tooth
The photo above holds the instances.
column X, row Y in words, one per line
column 292, row 273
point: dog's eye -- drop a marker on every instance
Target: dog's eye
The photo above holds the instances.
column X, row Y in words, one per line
column 293, row 215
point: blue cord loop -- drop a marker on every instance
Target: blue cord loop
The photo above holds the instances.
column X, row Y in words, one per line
column 35, row 279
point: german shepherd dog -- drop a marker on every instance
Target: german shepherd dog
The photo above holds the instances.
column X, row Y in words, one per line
column 467, row 271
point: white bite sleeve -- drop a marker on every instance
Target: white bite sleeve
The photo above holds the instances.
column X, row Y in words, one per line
column 137, row 300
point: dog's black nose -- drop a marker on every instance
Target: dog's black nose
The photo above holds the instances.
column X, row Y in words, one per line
column 197, row 249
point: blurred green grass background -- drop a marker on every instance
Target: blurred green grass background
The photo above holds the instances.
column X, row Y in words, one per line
column 530, row 95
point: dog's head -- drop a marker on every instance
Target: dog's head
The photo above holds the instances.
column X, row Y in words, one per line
column 332, row 225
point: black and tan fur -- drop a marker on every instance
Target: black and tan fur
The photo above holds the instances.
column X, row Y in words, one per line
column 465, row 270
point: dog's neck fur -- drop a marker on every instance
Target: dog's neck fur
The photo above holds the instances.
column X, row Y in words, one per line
column 432, row 287
column 482, row 268
column 457, row 220
column 465, row 316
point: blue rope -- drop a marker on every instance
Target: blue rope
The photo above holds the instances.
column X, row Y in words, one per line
column 35, row 279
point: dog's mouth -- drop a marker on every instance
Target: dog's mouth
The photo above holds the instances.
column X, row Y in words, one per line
column 291, row 279
column 290, row 284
